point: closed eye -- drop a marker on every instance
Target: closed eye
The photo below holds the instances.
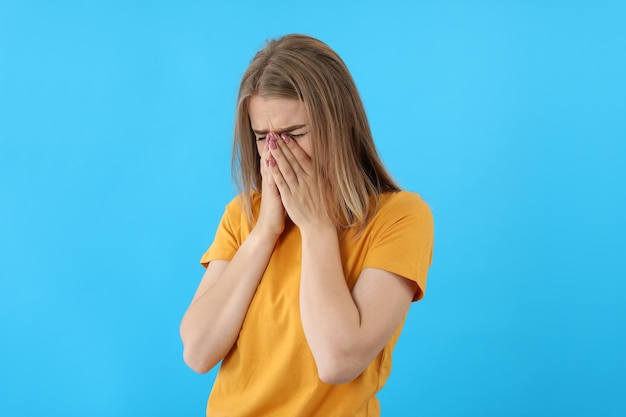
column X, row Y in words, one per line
column 291, row 135
column 262, row 134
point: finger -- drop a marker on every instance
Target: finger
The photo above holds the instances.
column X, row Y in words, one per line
column 288, row 172
column 279, row 180
column 282, row 164
column 295, row 154
column 268, row 185
column 284, row 152
column 265, row 158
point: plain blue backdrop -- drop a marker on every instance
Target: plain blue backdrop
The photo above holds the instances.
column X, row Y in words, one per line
column 508, row 117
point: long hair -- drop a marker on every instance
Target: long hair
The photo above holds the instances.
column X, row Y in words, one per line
column 349, row 174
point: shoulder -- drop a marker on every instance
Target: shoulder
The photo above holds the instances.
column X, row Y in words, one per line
column 237, row 217
column 238, row 204
column 398, row 205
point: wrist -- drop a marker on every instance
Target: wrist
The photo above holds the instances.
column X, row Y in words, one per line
column 267, row 235
column 318, row 232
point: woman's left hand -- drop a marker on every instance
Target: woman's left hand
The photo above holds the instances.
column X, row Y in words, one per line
column 293, row 174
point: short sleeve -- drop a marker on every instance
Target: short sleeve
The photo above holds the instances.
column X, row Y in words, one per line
column 402, row 239
column 228, row 235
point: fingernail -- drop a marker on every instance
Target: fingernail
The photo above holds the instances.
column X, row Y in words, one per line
column 285, row 137
column 273, row 144
column 272, row 162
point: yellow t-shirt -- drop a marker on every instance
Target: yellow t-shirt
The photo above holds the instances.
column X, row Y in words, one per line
column 270, row 370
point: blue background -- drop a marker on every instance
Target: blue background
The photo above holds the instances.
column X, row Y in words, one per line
column 508, row 117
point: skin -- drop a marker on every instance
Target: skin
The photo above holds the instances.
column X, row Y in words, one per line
column 345, row 329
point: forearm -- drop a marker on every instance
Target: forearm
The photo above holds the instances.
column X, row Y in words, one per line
column 212, row 322
column 330, row 317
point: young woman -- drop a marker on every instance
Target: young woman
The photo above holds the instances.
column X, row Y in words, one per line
column 315, row 264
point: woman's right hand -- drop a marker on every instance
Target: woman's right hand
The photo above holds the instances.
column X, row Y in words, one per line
column 213, row 320
column 272, row 213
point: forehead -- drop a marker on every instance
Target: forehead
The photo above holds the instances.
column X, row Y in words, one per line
column 275, row 113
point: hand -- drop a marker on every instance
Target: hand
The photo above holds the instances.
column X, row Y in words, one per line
column 272, row 213
column 292, row 172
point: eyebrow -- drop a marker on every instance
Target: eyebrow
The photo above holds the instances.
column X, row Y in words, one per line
column 287, row 129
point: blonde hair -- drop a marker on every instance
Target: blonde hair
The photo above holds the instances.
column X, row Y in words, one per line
column 347, row 167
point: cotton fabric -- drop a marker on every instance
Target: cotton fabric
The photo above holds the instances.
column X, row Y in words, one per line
column 270, row 370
